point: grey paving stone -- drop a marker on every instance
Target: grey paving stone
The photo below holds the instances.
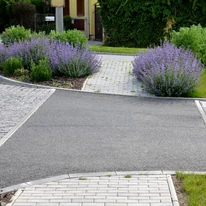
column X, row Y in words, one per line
column 16, row 102
column 94, row 194
column 115, row 77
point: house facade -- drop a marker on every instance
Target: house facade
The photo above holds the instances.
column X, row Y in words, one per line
column 85, row 16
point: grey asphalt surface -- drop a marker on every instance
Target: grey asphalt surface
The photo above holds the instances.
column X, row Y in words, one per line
column 76, row 132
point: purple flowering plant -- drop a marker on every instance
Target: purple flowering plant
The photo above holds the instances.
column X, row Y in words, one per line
column 167, row 70
column 63, row 58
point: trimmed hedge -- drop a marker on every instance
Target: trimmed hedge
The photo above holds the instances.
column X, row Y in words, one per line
column 142, row 23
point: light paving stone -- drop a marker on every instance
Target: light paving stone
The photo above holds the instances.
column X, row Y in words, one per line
column 93, row 193
column 115, row 77
column 17, row 102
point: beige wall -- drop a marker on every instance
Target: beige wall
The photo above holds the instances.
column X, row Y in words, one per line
column 73, row 13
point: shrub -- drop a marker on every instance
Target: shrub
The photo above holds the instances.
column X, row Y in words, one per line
column 15, row 34
column 168, row 70
column 194, row 38
column 11, row 64
column 28, row 50
column 141, row 23
column 63, row 57
column 21, row 72
column 2, row 53
column 23, row 13
column 74, row 37
column 41, row 71
column 47, row 28
column 68, row 23
column 73, row 61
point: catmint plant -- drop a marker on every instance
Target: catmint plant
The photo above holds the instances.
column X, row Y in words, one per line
column 73, row 61
column 65, row 59
column 167, row 70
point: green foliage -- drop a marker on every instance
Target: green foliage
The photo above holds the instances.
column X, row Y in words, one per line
column 39, row 4
column 15, row 33
column 21, row 72
column 68, row 23
column 12, row 64
column 194, row 38
column 48, row 27
column 143, row 23
column 4, row 20
column 41, row 71
column 74, row 37
column 23, row 13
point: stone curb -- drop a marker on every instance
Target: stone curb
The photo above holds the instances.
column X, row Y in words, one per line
column 172, row 191
column 100, row 93
column 98, row 174
column 14, row 129
column 16, row 195
column 201, row 110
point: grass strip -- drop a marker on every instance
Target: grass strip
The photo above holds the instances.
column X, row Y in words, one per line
column 118, row 50
column 200, row 90
column 194, row 186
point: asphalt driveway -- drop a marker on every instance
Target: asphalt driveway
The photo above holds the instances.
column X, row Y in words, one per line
column 83, row 132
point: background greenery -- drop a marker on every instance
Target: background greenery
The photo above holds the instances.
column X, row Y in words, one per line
column 143, row 23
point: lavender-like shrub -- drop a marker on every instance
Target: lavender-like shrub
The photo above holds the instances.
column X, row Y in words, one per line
column 2, row 53
column 28, row 50
column 63, row 57
column 167, row 70
column 72, row 61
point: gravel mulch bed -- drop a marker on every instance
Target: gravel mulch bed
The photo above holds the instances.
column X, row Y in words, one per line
column 57, row 81
column 6, row 198
column 180, row 192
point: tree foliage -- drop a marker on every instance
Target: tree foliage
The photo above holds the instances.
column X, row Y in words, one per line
column 23, row 14
column 15, row 12
column 142, row 23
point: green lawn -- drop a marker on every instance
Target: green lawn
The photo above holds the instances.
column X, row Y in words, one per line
column 118, row 50
column 194, row 187
column 200, row 90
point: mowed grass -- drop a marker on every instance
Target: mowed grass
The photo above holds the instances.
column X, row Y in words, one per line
column 194, row 187
column 200, row 90
column 117, row 50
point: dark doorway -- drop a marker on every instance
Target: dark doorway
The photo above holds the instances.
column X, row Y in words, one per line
column 98, row 25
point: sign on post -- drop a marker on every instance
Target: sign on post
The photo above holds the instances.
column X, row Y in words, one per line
column 49, row 18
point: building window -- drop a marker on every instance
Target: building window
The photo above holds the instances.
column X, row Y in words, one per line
column 80, row 7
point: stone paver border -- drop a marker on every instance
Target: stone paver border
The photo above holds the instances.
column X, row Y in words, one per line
column 169, row 197
column 29, row 186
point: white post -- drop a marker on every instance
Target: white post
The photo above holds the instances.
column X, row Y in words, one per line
column 88, row 18
column 59, row 19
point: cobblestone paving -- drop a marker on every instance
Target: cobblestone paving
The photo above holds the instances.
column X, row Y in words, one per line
column 16, row 102
column 139, row 190
column 115, row 77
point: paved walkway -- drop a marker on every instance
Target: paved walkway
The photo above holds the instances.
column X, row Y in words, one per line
column 100, row 189
column 115, row 77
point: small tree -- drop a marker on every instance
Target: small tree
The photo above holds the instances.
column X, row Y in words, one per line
column 23, row 14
